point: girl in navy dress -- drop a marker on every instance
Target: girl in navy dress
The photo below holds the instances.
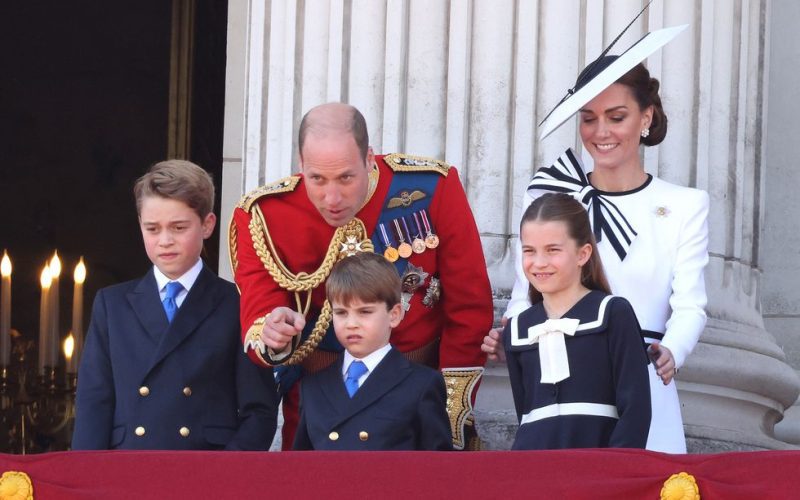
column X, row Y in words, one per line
column 576, row 360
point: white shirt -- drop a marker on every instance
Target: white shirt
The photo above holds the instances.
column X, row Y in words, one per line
column 371, row 361
column 187, row 280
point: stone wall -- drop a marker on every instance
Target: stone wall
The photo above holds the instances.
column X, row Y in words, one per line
column 469, row 81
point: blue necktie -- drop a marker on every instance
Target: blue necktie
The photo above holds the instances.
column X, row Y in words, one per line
column 170, row 306
column 354, row 372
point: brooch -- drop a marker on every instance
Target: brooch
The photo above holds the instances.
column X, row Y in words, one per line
column 662, row 211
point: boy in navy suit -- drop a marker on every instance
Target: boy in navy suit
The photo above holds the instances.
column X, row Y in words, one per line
column 372, row 397
column 163, row 365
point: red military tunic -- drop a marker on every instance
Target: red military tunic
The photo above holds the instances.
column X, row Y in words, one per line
column 301, row 237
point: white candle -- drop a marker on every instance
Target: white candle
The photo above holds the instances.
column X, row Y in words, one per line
column 44, row 316
column 69, row 347
column 54, row 340
column 5, row 311
column 79, row 276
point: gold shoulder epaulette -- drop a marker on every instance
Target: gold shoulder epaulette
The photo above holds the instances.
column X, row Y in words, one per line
column 280, row 186
column 407, row 163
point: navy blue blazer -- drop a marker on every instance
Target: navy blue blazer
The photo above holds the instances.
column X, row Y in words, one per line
column 401, row 406
column 144, row 383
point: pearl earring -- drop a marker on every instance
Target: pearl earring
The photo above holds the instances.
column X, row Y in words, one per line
column 645, row 132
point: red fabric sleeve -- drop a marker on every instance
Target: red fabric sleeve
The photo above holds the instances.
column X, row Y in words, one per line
column 466, row 294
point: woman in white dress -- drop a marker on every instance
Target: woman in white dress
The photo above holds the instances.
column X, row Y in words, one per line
column 652, row 235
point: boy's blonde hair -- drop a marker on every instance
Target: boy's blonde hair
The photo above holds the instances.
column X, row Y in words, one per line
column 177, row 180
column 366, row 277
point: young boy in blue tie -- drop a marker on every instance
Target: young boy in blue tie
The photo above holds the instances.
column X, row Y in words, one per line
column 372, row 397
column 163, row 366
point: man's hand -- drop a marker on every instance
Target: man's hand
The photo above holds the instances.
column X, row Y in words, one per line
column 280, row 327
column 493, row 342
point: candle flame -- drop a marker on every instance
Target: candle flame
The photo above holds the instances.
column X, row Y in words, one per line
column 5, row 265
column 80, row 272
column 69, row 346
column 55, row 266
column 46, row 278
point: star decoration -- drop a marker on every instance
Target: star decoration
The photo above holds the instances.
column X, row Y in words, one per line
column 351, row 246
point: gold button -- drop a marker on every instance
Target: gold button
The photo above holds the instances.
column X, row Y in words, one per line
column 187, row 391
column 144, row 390
column 333, row 436
column 139, row 431
column 184, row 431
column 363, row 435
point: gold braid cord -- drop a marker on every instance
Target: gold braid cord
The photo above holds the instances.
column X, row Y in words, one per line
column 347, row 240
column 233, row 246
column 460, row 382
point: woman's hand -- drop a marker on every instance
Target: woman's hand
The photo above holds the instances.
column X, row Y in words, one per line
column 663, row 361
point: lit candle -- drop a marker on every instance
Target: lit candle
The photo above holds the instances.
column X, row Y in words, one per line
column 77, row 312
column 5, row 311
column 44, row 316
column 54, row 340
column 69, row 346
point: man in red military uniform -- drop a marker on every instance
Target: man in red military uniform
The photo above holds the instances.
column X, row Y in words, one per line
column 286, row 236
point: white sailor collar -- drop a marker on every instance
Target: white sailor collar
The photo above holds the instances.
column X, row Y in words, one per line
column 591, row 311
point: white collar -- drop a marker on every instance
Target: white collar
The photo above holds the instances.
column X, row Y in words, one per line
column 187, row 280
column 371, row 360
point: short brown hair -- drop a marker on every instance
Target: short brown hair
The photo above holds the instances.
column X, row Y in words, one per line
column 365, row 276
column 354, row 123
column 177, row 180
column 560, row 207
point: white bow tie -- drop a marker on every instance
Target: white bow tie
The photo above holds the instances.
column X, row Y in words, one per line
column 552, row 347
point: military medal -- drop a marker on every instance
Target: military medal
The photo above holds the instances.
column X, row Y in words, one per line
column 403, row 248
column 390, row 253
column 418, row 245
column 431, row 240
column 433, row 294
column 412, row 279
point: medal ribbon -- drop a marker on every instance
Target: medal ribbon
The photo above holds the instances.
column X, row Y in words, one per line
column 420, row 234
column 426, row 222
column 386, row 241
column 405, row 227
column 399, row 232
column 425, row 182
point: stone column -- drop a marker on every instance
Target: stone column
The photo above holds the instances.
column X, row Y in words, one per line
column 469, row 80
column 780, row 258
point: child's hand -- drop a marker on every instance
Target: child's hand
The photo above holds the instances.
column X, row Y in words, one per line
column 663, row 361
column 493, row 343
column 281, row 325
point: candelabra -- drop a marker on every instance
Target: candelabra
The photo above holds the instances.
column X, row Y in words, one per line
column 37, row 411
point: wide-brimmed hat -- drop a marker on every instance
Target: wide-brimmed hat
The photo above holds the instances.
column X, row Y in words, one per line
column 602, row 72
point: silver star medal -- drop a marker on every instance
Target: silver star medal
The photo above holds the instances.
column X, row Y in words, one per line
column 412, row 279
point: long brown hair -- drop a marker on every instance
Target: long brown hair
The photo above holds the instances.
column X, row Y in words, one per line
column 559, row 207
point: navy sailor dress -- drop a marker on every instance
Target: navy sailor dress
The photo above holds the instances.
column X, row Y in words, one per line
column 604, row 401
